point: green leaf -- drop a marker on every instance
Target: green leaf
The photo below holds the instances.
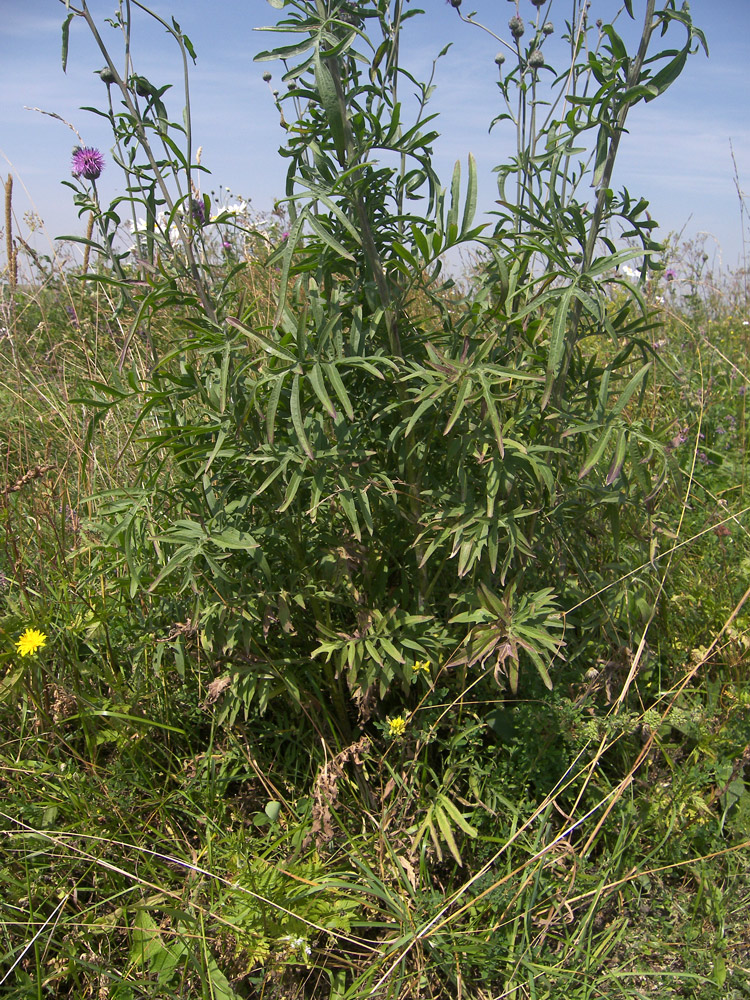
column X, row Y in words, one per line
column 596, row 453
column 65, row 38
column 602, row 148
column 557, row 339
column 463, row 392
column 273, row 402
column 470, row 205
column 296, row 411
column 338, row 387
column 291, row 491
column 630, row 388
column 330, row 101
column 457, row 817
column 316, row 380
column 493, row 415
column 317, row 226
column 445, row 828
column 665, row 77
column 268, row 345
column 618, row 459
column 452, row 219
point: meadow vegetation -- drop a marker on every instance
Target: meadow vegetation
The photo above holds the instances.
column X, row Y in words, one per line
column 366, row 630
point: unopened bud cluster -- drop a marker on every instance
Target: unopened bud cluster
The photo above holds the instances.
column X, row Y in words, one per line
column 516, row 26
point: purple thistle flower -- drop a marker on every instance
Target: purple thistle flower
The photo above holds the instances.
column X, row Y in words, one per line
column 87, row 162
column 670, row 274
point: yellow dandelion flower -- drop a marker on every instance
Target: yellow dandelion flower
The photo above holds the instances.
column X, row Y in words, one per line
column 397, row 726
column 30, row 642
column 421, row 666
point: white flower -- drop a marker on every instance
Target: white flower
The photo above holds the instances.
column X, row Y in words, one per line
column 239, row 209
column 630, row 272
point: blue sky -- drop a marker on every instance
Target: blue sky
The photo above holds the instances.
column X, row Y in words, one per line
column 677, row 154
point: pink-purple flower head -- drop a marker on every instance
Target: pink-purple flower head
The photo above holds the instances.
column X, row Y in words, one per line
column 87, row 162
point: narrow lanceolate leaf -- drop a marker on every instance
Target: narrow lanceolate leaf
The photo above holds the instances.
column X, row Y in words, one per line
column 494, row 418
column 602, row 148
column 455, row 196
column 458, row 818
column 665, row 77
column 635, row 383
column 316, row 380
column 618, row 459
column 317, row 226
column 445, row 828
column 296, row 411
column 291, row 491
column 269, row 346
column 273, row 403
column 458, row 406
column 596, row 453
column 330, row 101
column 65, row 38
column 470, row 205
column 557, row 341
column 286, row 264
column 338, row 387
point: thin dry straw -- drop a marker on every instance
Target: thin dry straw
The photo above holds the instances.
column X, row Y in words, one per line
column 87, row 246
column 59, row 906
column 9, row 248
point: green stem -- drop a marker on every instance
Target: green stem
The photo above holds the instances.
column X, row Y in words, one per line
column 601, row 196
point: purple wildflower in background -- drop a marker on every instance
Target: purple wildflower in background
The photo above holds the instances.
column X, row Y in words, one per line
column 199, row 211
column 670, row 274
column 87, row 162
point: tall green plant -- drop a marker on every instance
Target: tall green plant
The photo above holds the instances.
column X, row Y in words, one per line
column 375, row 480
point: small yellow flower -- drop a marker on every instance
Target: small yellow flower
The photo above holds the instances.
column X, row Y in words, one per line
column 421, row 665
column 397, row 726
column 30, row 642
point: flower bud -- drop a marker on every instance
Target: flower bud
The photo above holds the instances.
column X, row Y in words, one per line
column 500, row 58
column 536, row 59
column 547, row 28
column 267, row 76
column 539, row 3
column 516, row 26
column 107, row 76
column 455, row 3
